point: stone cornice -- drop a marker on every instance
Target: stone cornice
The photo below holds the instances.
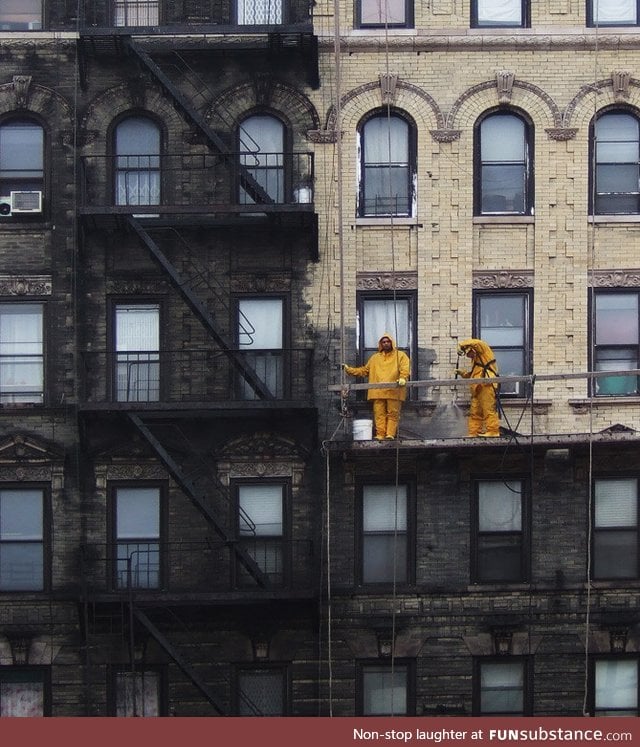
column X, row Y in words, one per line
column 615, row 278
column 491, row 279
column 524, row 39
column 387, row 280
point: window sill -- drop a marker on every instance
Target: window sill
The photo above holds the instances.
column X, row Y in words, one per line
column 614, row 218
column 502, row 219
column 632, row 400
column 386, row 222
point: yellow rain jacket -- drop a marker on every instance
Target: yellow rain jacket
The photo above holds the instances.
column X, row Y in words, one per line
column 484, row 364
column 383, row 367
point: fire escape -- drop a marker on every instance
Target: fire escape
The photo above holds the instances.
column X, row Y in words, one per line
column 159, row 46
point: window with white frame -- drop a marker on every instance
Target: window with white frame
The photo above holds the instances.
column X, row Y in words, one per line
column 616, row 329
column 384, row 13
column 612, row 12
column 503, row 319
column 137, row 693
column 501, row 687
column 136, row 12
column 21, row 15
column 261, row 529
column 615, row 687
column 615, row 528
column 137, row 537
column 21, row 353
column 496, row 13
column 261, row 691
column 387, row 166
column 500, row 552
column 260, row 12
column 503, row 171
column 385, row 689
column 22, row 539
column 615, row 136
column 137, row 162
column 137, row 352
column 24, row 692
column 385, row 538
column 260, row 332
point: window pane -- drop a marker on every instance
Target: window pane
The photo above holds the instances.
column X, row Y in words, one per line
column 614, row 11
column 499, row 13
column 502, row 687
column 386, row 315
column 138, row 513
column 262, row 138
column 384, row 508
column 616, row 503
column 21, row 540
column 22, row 695
column 20, row 15
column 261, row 510
column 136, row 13
column 616, row 319
column 500, row 558
column 21, row 150
column 259, row 12
column 615, row 554
column 21, row 353
column 499, row 506
column 382, row 553
column 137, row 694
column 260, row 693
column 260, row 323
column 502, row 138
column 616, row 684
column 138, row 162
column 384, row 692
column 385, row 166
column 382, row 12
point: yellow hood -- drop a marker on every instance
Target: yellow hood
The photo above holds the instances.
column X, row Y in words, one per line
column 393, row 342
column 485, row 356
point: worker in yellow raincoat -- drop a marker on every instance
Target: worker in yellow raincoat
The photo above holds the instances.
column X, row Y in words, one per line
column 483, row 411
column 387, row 365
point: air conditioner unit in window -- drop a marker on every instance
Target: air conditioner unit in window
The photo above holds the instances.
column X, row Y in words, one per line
column 26, row 202
column 5, row 206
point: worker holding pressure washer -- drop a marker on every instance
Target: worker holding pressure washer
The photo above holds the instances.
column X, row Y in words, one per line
column 483, row 410
column 387, row 365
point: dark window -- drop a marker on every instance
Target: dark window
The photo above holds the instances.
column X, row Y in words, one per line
column 496, row 13
column 615, row 528
column 386, row 551
column 138, row 693
column 615, row 328
column 615, row 687
column 261, row 530
column 137, row 167
column 261, row 691
column 21, row 15
column 136, row 12
column 24, row 692
column 137, row 352
column 21, row 353
column 616, row 139
column 501, row 687
column 262, row 148
column 260, row 332
column 385, row 689
column 387, row 166
column 385, row 13
column 504, row 169
column 503, row 319
column 137, row 537
column 612, row 12
column 500, row 521
column 22, row 539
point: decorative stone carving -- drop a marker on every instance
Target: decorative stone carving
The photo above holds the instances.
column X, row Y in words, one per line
column 615, row 278
column 388, row 88
column 28, row 451
column 322, row 136
column 562, row 133
column 21, row 84
column 251, row 283
column 387, row 281
column 25, row 285
column 503, row 279
column 136, row 287
column 263, row 445
column 135, row 471
column 504, row 84
column 620, row 80
column 445, row 136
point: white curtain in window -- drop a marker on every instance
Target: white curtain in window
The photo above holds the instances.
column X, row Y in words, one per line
column 500, row 506
column 500, row 12
column 614, row 11
column 259, row 12
column 616, row 319
column 138, row 162
column 382, row 12
column 16, row 15
column 261, row 510
column 386, row 315
column 260, row 322
column 617, row 684
column 616, row 503
column 21, row 352
column 384, row 508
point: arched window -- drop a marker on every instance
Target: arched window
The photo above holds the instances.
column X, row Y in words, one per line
column 137, row 162
column 616, row 181
column 262, row 146
column 387, row 166
column 504, row 168
column 21, row 157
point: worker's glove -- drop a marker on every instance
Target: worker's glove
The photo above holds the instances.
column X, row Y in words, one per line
column 402, row 382
column 459, row 372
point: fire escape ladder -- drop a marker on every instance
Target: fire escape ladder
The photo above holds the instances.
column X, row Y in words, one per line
column 200, row 310
column 185, row 107
column 184, row 665
column 199, row 497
